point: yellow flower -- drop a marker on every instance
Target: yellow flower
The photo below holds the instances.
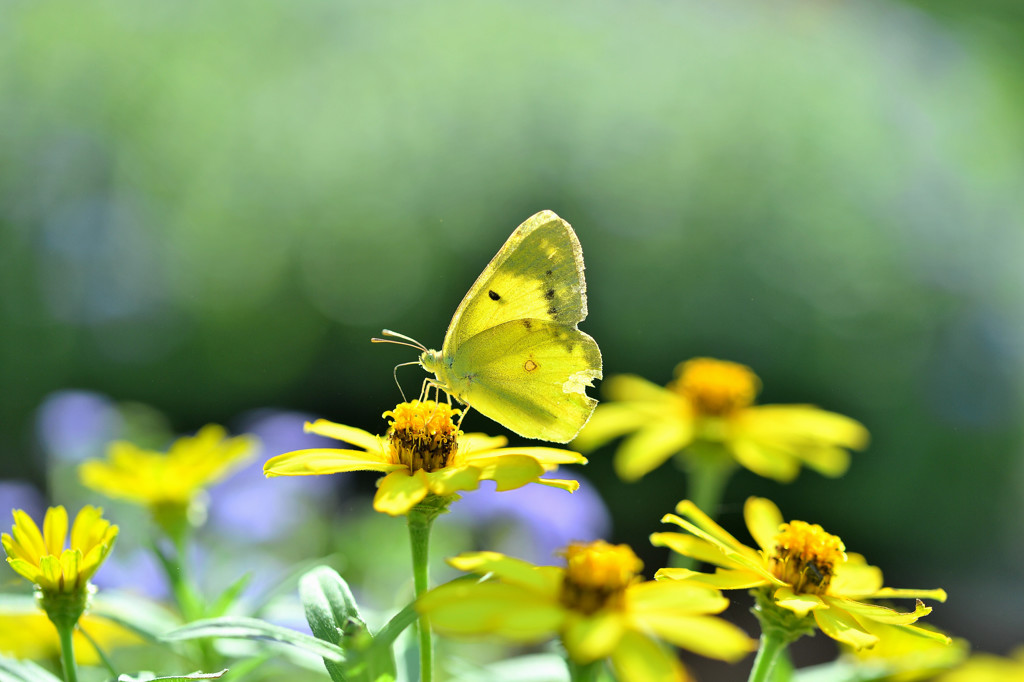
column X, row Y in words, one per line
column 712, row 401
column 30, row 636
column 987, row 667
column 799, row 568
column 171, row 480
column 598, row 605
column 42, row 558
column 902, row 656
column 424, row 452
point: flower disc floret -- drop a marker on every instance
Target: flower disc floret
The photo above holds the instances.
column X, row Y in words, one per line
column 597, row 575
column 805, row 557
column 716, row 387
column 424, row 453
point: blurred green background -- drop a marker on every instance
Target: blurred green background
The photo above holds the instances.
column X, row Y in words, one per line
column 211, row 207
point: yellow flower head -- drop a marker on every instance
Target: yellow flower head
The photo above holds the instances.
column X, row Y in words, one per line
column 42, row 557
column 800, row 567
column 712, row 401
column 598, row 605
column 172, row 480
column 422, row 452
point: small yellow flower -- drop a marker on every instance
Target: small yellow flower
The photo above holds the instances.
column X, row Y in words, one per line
column 987, row 668
column 172, row 480
column 799, row 568
column 42, row 558
column 712, row 401
column 28, row 635
column 598, row 605
column 424, row 452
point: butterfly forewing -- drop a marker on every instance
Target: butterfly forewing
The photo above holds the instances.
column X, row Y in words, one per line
column 537, row 274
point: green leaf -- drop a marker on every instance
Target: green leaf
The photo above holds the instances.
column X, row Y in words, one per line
column 148, row 677
column 330, row 607
column 23, row 671
column 228, row 597
column 234, row 627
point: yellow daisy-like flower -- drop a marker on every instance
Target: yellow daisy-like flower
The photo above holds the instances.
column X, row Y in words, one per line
column 29, row 635
column 799, row 568
column 598, row 605
column 167, row 481
column 988, row 667
column 712, row 401
column 42, row 558
column 424, row 452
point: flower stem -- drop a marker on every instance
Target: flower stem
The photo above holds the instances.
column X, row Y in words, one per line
column 772, row 643
column 67, row 651
column 708, row 470
column 583, row 672
column 420, row 519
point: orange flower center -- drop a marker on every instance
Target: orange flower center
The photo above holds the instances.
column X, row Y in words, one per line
column 805, row 556
column 423, row 434
column 716, row 388
column 597, row 575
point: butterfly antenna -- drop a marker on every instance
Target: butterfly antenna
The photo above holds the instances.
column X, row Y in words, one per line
column 406, row 340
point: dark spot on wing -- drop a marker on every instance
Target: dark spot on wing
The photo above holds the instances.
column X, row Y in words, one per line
column 553, row 311
column 527, row 323
column 493, row 294
column 530, row 365
column 549, row 294
column 548, row 273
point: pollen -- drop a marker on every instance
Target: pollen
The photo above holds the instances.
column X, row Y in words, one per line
column 805, row 556
column 597, row 575
column 423, row 434
column 716, row 387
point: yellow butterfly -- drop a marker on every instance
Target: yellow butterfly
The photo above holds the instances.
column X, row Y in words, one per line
column 512, row 351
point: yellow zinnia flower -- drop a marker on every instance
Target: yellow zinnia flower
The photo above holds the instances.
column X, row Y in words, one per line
column 424, row 452
column 712, row 401
column 799, row 568
column 42, row 558
column 987, row 668
column 599, row 605
column 167, row 483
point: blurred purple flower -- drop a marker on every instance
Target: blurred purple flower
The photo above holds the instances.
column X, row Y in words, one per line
column 547, row 519
column 248, row 504
column 73, row 425
column 20, row 495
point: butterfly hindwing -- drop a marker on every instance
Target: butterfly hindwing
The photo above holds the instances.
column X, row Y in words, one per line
column 529, row 375
column 537, row 274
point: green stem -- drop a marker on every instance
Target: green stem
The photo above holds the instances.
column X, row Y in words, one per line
column 67, row 651
column 773, row 642
column 583, row 672
column 708, row 470
column 420, row 521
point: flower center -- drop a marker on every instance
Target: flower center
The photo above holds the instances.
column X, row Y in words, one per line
column 423, row 434
column 806, row 557
column 597, row 575
column 716, row 387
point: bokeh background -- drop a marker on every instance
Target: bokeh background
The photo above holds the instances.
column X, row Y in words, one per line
column 207, row 209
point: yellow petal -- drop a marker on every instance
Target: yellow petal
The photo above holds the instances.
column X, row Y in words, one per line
column 26, row 533
column 88, row 528
column 589, row 638
column 55, row 529
column 611, row 420
column 509, row 471
column 763, row 520
column 881, row 614
column 15, row 550
column 721, row 579
column 827, row 460
column 806, row 423
column 28, row 570
column 546, row 579
column 452, row 479
column 651, row 446
column 842, row 627
column 492, row 607
column 856, row 578
column 362, row 439
column 630, row 387
column 49, row 568
column 681, row 598
column 70, row 561
column 938, row 595
column 764, row 460
column 319, row 461
column 692, row 546
column 470, row 443
column 641, row 659
column 799, row 604
column 399, row 492
column 705, row 635
column 562, row 483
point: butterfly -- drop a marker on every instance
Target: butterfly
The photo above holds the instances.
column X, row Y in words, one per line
column 513, row 351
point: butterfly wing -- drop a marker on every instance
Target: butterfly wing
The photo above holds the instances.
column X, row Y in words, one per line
column 536, row 275
column 529, row 375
